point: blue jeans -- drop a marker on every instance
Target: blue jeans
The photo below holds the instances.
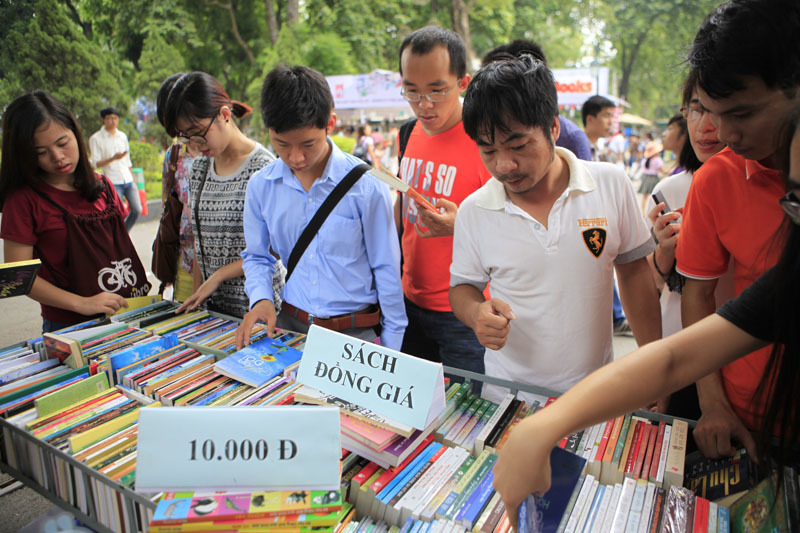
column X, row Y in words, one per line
column 441, row 337
column 131, row 193
column 619, row 316
column 50, row 325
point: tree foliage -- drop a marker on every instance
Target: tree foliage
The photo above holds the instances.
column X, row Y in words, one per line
column 91, row 52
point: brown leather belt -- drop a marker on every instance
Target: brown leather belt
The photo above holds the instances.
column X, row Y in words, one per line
column 366, row 318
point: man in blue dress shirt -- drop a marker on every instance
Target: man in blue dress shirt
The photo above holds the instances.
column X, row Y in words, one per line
column 352, row 265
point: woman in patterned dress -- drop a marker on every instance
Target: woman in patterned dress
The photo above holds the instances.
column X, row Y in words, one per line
column 198, row 111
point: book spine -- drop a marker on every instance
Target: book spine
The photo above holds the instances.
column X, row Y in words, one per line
column 461, row 438
column 623, row 506
column 461, row 485
column 630, row 447
column 647, row 509
column 484, row 471
column 495, row 517
column 501, row 425
column 648, row 454
column 637, row 504
column 580, row 502
column 723, row 519
column 641, row 450
column 662, row 460
column 656, row 459
column 700, row 522
column 562, row 525
column 616, row 474
column 470, row 442
column 713, row 514
column 502, row 407
column 673, row 473
column 594, row 510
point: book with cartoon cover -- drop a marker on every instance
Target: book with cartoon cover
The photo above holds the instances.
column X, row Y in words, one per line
column 258, row 363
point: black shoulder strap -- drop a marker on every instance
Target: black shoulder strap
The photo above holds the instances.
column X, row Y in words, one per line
column 322, row 213
column 403, row 136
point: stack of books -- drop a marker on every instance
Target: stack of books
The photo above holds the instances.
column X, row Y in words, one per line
column 278, row 511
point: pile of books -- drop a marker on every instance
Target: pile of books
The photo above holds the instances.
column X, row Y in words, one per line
column 278, row 511
column 92, row 345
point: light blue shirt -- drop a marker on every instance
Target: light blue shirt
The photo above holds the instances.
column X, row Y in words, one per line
column 353, row 261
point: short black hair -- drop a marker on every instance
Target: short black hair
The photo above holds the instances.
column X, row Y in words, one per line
column 519, row 89
column 595, row 105
column 295, row 97
column 110, row 110
column 426, row 39
column 515, row 48
column 748, row 38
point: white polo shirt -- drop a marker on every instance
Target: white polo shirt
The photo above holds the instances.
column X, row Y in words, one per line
column 103, row 145
column 558, row 280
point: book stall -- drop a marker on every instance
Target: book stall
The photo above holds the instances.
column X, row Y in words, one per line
column 152, row 421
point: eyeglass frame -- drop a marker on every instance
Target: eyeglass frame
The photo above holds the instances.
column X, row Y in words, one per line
column 791, row 206
column 686, row 111
column 442, row 94
column 199, row 138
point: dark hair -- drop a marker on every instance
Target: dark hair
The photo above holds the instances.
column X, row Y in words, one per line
column 19, row 165
column 687, row 152
column 110, row 110
column 192, row 97
column 688, row 158
column 748, row 38
column 595, row 105
column 426, row 39
column 520, row 89
column 515, row 49
column 295, row 97
column 781, row 379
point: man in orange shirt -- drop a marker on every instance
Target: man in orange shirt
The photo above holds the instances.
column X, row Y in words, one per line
column 748, row 78
column 444, row 165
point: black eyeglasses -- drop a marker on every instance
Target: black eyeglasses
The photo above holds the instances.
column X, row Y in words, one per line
column 791, row 206
column 198, row 138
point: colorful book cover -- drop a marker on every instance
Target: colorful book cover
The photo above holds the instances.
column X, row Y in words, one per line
column 245, row 505
column 16, row 279
column 258, row 363
column 544, row 514
column 761, row 510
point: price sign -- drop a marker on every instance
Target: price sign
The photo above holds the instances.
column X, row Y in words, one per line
column 248, row 448
column 396, row 385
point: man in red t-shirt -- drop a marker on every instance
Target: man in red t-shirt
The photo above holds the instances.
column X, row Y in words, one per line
column 444, row 165
column 748, row 79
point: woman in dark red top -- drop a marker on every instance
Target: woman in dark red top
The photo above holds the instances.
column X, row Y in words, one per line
column 55, row 208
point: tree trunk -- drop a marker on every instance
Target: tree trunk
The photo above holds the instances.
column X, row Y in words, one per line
column 86, row 27
column 272, row 21
column 628, row 61
column 459, row 13
column 235, row 29
column 292, row 12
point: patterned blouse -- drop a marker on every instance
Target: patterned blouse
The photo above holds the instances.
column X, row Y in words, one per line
column 218, row 203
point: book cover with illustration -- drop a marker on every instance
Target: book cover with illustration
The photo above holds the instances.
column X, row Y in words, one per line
column 245, row 505
column 16, row 279
column 258, row 363
column 761, row 510
column 543, row 514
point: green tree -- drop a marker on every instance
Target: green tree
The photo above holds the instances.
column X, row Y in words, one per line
column 47, row 51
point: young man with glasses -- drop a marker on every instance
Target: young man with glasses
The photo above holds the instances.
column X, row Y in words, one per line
column 444, row 165
column 748, row 78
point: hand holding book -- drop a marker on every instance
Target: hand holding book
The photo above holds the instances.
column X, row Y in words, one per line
column 523, row 466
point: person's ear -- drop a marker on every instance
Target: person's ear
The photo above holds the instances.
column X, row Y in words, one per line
column 225, row 111
column 331, row 123
column 555, row 128
column 462, row 84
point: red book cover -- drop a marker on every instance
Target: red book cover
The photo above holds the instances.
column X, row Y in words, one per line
column 635, row 441
column 641, row 449
column 365, row 473
column 601, row 448
column 657, row 450
column 700, row 516
column 648, row 454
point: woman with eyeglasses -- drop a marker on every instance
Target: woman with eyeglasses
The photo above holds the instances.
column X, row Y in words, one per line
column 58, row 210
column 764, row 313
column 196, row 109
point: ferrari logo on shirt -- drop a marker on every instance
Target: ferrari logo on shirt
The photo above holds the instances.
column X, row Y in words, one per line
column 595, row 240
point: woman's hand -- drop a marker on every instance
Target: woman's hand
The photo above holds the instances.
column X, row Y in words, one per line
column 106, row 303
column 523, row 467
column 666, row 226
column 200, row 295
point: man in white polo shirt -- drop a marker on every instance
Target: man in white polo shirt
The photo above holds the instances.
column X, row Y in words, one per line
column 547, row 233
column 110, row 153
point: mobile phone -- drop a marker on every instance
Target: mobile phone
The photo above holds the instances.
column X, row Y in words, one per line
column 658, row 198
